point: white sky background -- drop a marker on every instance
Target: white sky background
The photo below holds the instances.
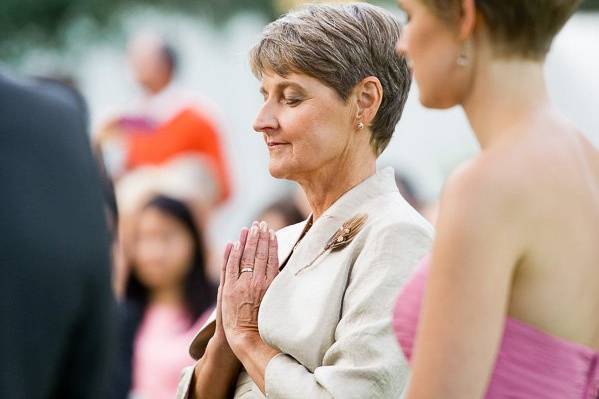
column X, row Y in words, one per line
column 427, row 146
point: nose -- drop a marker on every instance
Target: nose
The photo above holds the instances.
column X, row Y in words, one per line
column 265, row 119
column 151, row 251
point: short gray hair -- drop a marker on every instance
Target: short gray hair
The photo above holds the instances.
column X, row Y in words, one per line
column 340, row 45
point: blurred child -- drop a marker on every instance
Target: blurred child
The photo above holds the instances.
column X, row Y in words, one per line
column 167, row 298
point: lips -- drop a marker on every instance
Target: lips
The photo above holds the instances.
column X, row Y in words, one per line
column 275, row 144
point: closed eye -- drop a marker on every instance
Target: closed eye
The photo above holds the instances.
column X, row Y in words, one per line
column 292, row 101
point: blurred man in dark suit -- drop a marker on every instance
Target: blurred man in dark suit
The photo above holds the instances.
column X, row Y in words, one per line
column 56, row 305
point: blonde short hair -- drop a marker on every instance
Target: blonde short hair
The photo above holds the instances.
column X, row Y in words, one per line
column 340, row 44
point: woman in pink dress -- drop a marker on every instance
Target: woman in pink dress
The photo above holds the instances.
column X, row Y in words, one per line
column 507, row 306
column 168, row 297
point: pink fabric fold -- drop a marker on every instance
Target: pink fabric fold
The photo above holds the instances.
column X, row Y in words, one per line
column 530, row 363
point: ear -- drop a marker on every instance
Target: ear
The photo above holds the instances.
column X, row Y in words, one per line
column 369, row 95
column 467, row 19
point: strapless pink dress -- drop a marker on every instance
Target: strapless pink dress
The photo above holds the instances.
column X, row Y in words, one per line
column 530, row 364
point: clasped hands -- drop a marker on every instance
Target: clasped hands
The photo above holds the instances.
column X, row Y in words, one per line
column 249, row 267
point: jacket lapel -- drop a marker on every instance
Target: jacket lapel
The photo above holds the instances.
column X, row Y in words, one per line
column 345, row 208
column 288, row 238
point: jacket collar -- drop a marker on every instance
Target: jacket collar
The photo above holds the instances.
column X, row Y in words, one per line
column 346, row 207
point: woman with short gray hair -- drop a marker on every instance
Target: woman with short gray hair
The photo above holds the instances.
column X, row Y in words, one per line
column 306, row 313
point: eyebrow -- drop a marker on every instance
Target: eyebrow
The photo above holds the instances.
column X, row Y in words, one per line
column 282, row 86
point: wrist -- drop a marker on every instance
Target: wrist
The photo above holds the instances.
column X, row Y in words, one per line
column 251, row 345
column 219, row 347
column 242, row 343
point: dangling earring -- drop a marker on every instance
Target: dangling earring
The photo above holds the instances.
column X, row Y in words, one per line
column 360, row 125
column 463, row 59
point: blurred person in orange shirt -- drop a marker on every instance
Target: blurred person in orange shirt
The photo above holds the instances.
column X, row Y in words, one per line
column 167, row 122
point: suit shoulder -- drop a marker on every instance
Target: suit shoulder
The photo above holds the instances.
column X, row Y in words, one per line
column 43, row 94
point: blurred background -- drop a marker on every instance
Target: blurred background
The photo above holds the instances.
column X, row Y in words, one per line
column 171, row 101
column 84, row 42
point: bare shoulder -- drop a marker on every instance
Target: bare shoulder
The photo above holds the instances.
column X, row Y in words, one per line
column 490, row 186
column 590, row 152
column 481, row 219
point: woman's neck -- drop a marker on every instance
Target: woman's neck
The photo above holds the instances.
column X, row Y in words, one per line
column 327, row 185
column 505, row 95
column 169, row 296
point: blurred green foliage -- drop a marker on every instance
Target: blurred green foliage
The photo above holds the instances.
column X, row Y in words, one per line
column 23, row 22
column 42, row 21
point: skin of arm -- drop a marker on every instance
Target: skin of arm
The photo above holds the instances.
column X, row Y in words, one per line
column 478, row 246
column 215, row 373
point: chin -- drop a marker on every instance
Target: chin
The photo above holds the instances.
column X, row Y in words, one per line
column 282, row 170
column 277, row 170
column 437, row 94
column 436, row 102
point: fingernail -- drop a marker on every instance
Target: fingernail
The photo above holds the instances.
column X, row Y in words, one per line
column 254, row 230
column 263, row 227
column 272, row 234
column 236, row 246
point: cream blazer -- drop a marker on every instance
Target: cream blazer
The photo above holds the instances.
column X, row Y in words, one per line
column 330, row 317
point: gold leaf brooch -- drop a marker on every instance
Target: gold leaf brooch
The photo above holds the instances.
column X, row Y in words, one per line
column 341, row 238
column 346, row 233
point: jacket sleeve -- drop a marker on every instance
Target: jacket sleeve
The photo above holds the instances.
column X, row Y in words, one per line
column 365, row 360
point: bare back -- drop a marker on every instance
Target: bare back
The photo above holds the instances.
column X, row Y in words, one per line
column 556, row 283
